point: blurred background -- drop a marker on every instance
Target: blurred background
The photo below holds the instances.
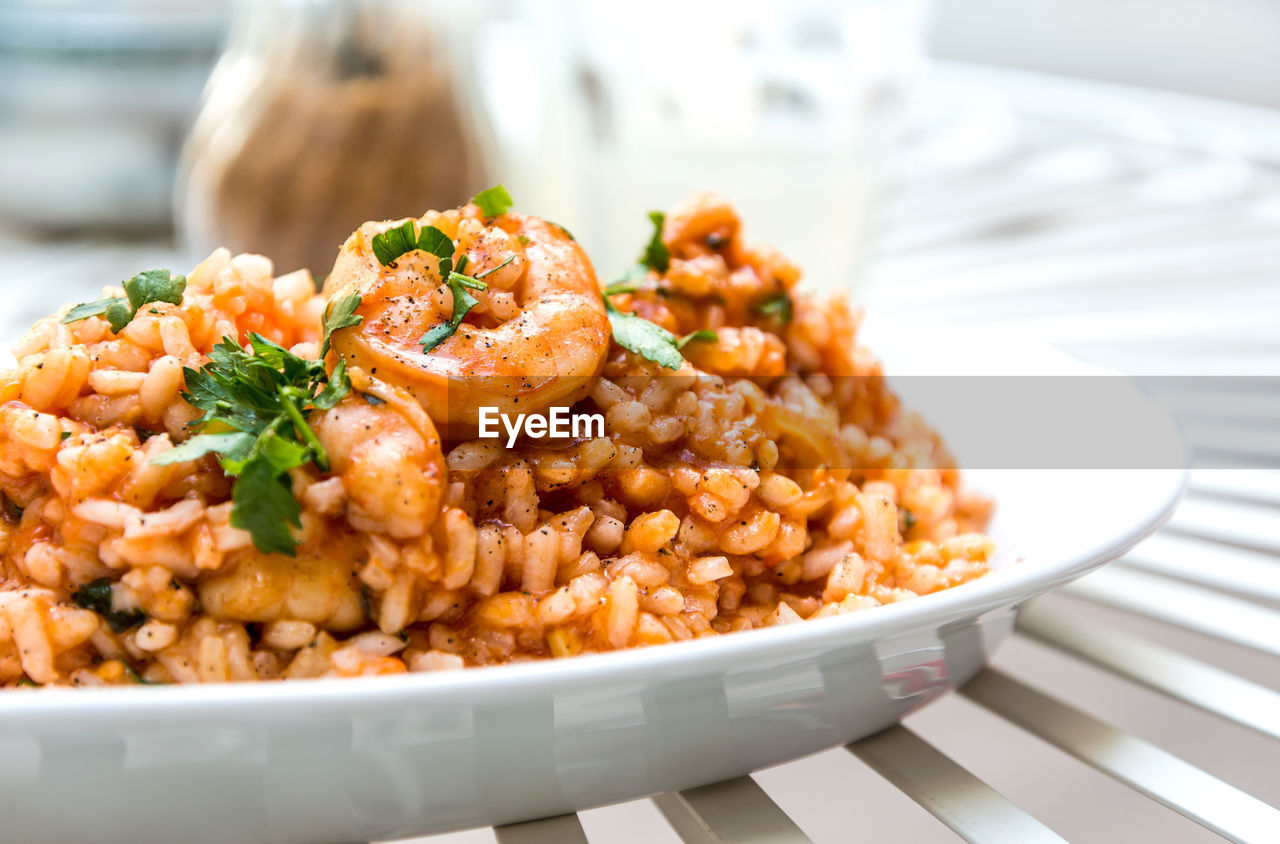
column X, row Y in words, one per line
column 277, row 126
column 1100, row 176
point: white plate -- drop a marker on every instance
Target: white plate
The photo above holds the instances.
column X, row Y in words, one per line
column 390, row 757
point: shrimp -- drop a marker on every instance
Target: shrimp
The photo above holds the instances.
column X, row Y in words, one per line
column 388, row 456
column 537, row 336
column 319, row 587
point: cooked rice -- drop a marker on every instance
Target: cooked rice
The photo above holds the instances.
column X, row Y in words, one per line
column 681, row 522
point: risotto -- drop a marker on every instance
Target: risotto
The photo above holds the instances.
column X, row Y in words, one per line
column 232, row 477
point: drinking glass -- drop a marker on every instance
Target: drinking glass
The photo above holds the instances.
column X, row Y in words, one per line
column 603, row 111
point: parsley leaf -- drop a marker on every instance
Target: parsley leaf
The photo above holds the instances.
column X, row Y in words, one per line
column 98, row 596
column 629, row 282
column 262, row 503
column 145, row 287
column 340, row 314
column 493, row 201
column 463, row 302
column 118, row 314
column 99, row 308
column 645, row 338
column 339, row 385
column 154, row 286
column 255, row 404
column 700, row 334
column 236, row 445
column 656, row 255
column 778, row 305
column 432, row 240
column 393, row 243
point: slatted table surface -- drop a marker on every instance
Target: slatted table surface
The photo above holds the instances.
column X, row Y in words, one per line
column 1134, row 230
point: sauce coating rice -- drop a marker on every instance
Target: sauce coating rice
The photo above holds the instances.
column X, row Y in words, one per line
column 771, row 478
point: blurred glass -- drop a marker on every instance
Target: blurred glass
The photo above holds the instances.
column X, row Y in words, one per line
column 603, row 111
column 323, row 114
column 94, row 98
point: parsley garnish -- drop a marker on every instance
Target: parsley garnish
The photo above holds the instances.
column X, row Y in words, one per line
column 635, row 333
column 463, row 301
column 700, row 334
column 493, row 201
column 626, row 284
column 645, row 338
column 255, row 405
column 656, row 255
column 340, row 314
column 393, row 243
column 97, row 596
column 144, row 288
column 779, row 305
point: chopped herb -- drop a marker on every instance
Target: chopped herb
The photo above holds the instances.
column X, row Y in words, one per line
column 63, row 436
column 620, row 287
column 493, row 201
column 699, row 335
column 656, row 256
column 28, row 682
column 393, row 243
column 645, row 338
column 262, row 503
column 145, row 287
column 463, row 301
column 99, row 596
column 630, row 281
column 779, row 305
column 255, row 404
column 155, row 286
column 492, row 270
column 437, row 243
column 341, row 314
column 908, row 520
